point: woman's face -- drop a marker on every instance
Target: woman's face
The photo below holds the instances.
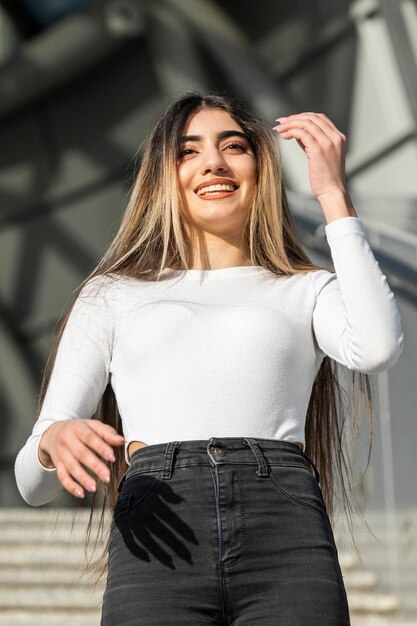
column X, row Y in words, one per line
column 215, row 152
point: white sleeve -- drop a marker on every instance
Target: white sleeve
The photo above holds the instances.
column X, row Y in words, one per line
column 79, row 377
column 356, row 320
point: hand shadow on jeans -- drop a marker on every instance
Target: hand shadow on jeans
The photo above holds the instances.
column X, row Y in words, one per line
column 148, row 523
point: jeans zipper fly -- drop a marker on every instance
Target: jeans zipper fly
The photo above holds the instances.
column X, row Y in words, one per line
column 219, row 528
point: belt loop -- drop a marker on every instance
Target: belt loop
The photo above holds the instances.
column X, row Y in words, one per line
column 169, row 458
column 316, row 471
column 262, row 466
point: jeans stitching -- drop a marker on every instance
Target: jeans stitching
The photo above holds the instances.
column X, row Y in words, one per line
column 132, row 502
column 219, row 563
column 296, row 498
column 230, row 564
column 243, row 516
column 144, row 471
column 303, row 467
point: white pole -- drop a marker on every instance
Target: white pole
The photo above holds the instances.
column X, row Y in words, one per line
column 391, row 521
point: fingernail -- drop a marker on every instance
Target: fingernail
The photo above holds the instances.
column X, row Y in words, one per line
column 280, row 119
column 104, row 476
column 109, row 456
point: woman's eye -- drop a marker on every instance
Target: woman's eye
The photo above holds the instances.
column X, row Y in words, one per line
column 236, row 145
column 233, row 146
column 185, row 152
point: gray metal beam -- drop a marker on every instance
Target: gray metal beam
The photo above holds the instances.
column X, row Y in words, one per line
column 64, row 51
column 391, row 11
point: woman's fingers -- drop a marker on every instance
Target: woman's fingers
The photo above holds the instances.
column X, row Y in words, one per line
column 323, row 121
column 107, row 437
column 319, row 119
column 73, row 478
column 324, row 146
column 82, row 451
column 309, row 131
column 326, row 119
column 78, row 444
column 74, row 449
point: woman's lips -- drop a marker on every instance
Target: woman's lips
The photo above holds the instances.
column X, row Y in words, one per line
column 216, row 195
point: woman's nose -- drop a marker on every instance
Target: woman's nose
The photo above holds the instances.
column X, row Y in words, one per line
column 214, row 161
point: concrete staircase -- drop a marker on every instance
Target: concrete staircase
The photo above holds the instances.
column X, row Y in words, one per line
column 371, row 604
column 367, row 604
column 41, row 550
column 41, row 584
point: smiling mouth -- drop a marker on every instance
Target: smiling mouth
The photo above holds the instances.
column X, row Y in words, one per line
column 216, row 191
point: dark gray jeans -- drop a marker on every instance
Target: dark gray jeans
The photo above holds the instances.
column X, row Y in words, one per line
column 231, row 531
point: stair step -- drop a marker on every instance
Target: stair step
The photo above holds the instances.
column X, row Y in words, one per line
column 373, row 603
column 369, row 620
column 46, row 534
column 347, row 560
column 360, row 581
column 35, row 575
column 50, row 618
column 47, row 554
column 19, row 515
column 52, row 597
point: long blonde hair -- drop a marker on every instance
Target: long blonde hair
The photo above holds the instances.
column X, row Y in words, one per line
column 152, row 236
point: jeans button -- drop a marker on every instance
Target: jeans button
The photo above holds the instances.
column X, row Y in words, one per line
column 218, row 450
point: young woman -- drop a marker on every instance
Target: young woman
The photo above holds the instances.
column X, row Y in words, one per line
column 204, row 345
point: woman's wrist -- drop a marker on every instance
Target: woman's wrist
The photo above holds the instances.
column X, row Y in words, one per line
column 43, row 454
column 336, row 204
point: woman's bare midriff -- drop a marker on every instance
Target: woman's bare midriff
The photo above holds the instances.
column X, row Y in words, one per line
column 135, row 445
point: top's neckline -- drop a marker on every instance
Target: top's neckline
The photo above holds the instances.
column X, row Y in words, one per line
column 224, row 272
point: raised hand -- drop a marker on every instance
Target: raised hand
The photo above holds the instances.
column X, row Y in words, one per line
column 324, row 146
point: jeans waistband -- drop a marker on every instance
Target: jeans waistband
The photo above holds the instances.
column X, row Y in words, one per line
column 216, row 451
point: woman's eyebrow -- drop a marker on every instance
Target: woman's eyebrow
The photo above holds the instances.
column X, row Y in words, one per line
column 224, row 134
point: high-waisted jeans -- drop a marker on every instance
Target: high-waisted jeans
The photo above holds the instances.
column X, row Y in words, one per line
column 231, row 531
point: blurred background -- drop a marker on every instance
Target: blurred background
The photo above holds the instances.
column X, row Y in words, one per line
column 81, row 84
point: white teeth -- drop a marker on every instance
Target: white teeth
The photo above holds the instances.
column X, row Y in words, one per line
column 211, row 188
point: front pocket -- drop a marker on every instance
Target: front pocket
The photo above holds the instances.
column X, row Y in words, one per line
column 299, row 485
column 138, row 488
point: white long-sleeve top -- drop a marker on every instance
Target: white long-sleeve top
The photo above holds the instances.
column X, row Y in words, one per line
column 228, row 352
